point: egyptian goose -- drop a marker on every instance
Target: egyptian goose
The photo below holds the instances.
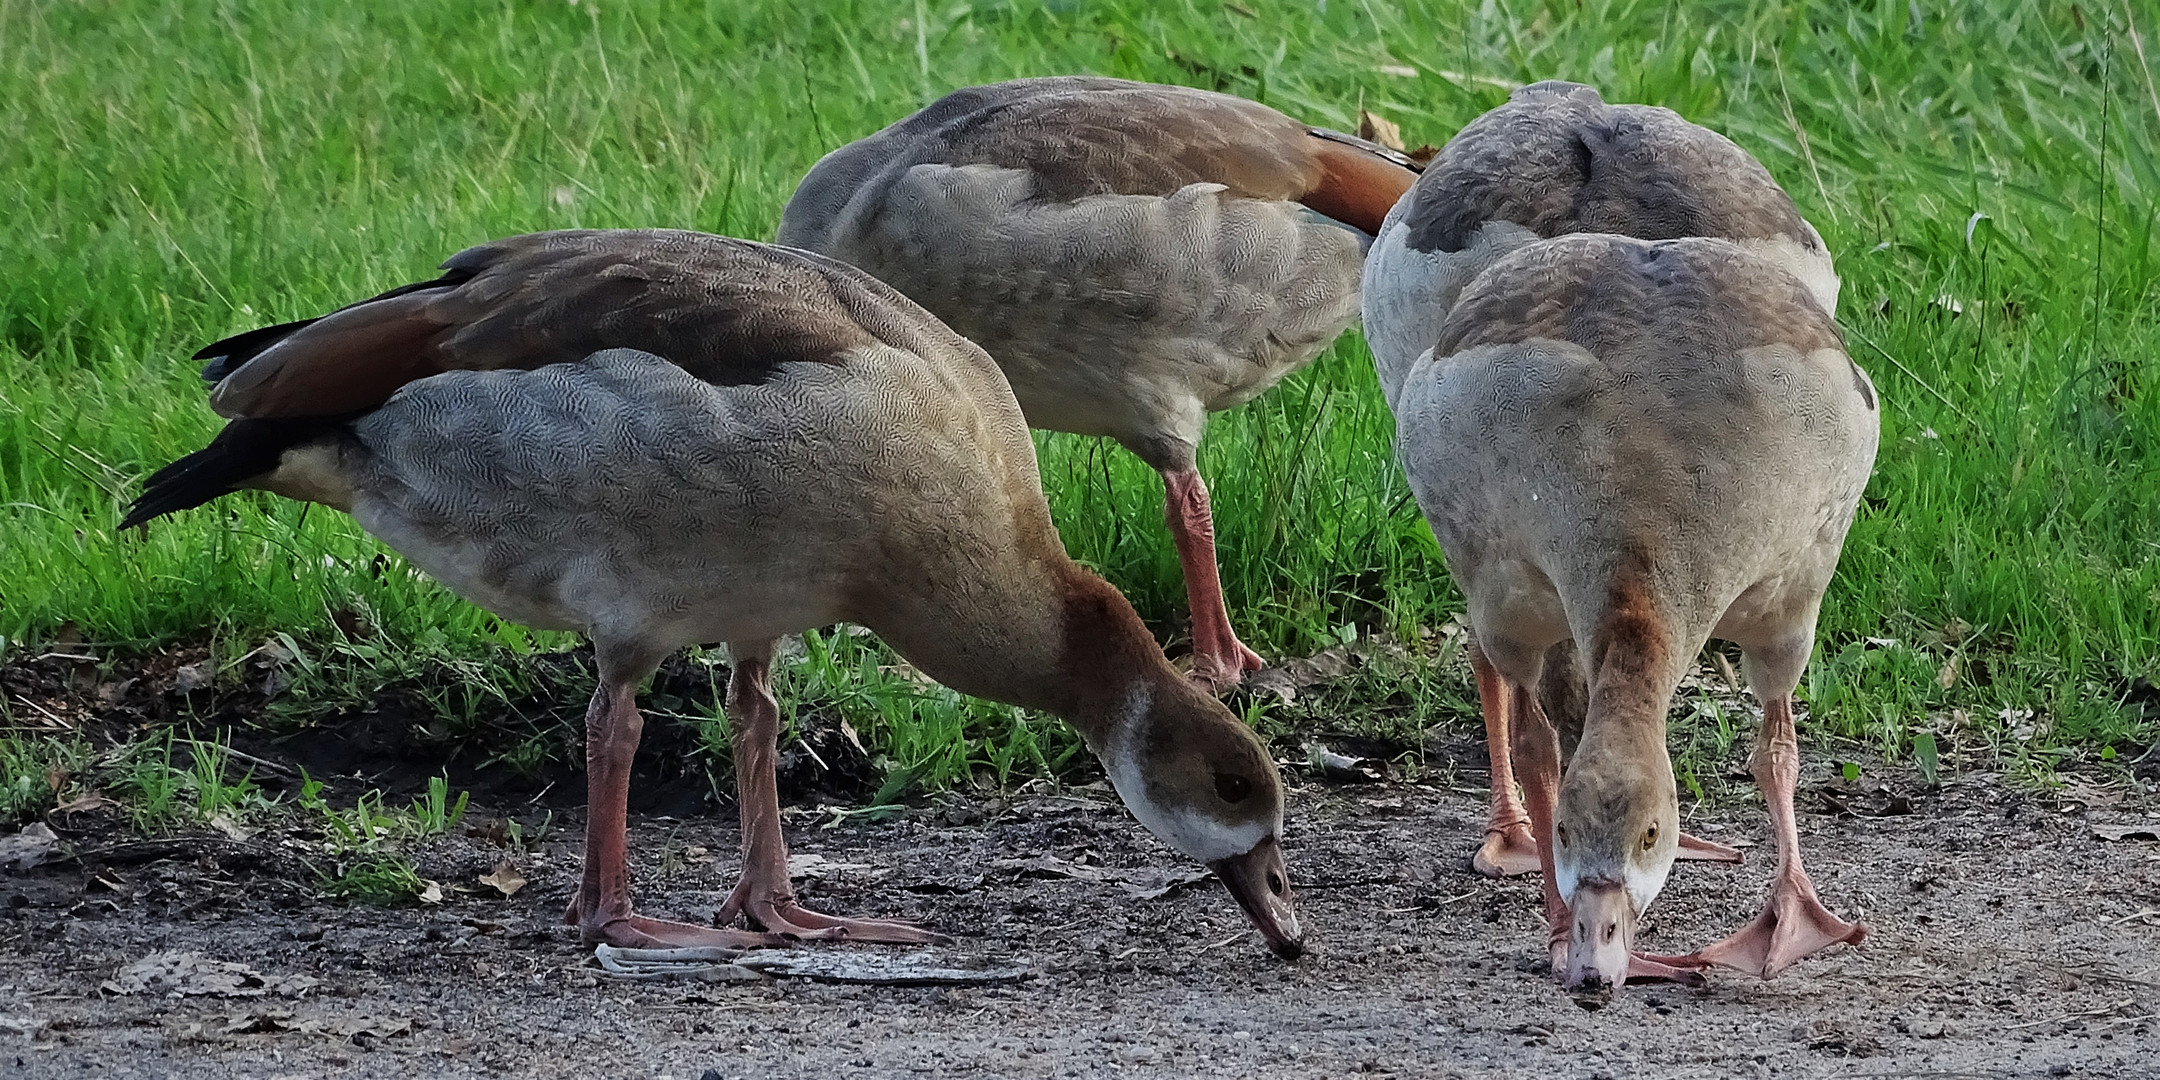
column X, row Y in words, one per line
column 1134, row 256
column 661, row 438
column 1633, row 446
column 1557, row 159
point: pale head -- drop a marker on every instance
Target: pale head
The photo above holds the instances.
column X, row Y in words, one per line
column 1200, row 781
column 1616, row 832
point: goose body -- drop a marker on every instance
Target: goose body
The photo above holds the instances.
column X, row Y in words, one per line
column 1629, row 447
column 1557, row 159
column 664, row 438
column 1135, row 257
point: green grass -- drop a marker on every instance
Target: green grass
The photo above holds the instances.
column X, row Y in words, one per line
column 174, row 172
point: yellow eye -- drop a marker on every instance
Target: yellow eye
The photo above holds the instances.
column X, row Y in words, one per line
column 1649, row 839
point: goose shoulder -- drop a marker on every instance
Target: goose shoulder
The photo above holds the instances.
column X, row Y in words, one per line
column 1558, row 159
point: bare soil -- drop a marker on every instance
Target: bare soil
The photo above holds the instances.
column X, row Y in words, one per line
column 2009, row 940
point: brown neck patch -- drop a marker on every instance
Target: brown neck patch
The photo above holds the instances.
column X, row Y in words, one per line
column 1631, row 648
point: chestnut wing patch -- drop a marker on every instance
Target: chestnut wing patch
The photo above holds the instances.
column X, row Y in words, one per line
column 727, row 311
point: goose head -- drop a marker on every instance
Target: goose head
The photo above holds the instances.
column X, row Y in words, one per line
column 1202, row 783
column 1616, row 832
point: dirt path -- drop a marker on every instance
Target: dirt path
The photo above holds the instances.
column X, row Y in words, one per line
column 2007, row 943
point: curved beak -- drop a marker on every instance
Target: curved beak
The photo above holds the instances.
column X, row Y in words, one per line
column 1601, row 940
column 1261, row 884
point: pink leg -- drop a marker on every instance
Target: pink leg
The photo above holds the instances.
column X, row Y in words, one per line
column 1220, row 660
column 601, row 909
column 1536, row 747
column 764, row 894
column 1697, row 849
column 1794, row 924
column 1510, row 848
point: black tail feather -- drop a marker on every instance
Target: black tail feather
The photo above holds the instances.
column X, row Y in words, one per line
column 243, row 451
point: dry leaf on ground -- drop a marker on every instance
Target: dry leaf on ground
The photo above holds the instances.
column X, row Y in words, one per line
column 186, row 974
column 505, row 878
column 34, row 846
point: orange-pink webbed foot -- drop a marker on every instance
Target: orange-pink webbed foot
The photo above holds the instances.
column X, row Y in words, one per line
column 1220, row 668
column 1697, row 849
column 776, row 910
column 1793, row 925
column 1510, row 850
column 625, row 930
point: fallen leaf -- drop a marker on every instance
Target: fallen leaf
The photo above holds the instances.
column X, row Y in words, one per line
column 186, row 974
column 495, row 831
column 34, row 846
column 1375, row 128
column 2125, row 829
column 381, row 1027
column 431, row 892
column 191, row 678
column 1276, row 681
column 1052, row 866
column 818, row 866
column 259, row 1023
column 1155, row 883
column 230, row 829
column 85, row 803
column 947, row 886
column 25, row 1026
column 505, row 878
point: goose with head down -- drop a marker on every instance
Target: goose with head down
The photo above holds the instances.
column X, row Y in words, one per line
column 1134, row 256
column 1556, row 159
column 1628, row 447
column 663, row 438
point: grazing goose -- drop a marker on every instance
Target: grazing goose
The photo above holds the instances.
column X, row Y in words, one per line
column 1633, row 446
column 1557, row 159
column 662, row 438
column 1134, row 256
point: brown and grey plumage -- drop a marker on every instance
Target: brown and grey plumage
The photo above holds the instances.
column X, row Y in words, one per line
column 664, row 438
column 1634, row 446
column 1134, row 257
column 1557, row 159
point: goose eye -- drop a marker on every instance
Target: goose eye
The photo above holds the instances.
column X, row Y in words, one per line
column 1232, row 787
column 1649, row 839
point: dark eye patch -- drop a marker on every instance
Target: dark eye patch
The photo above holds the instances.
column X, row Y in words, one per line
column 1232, row 787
